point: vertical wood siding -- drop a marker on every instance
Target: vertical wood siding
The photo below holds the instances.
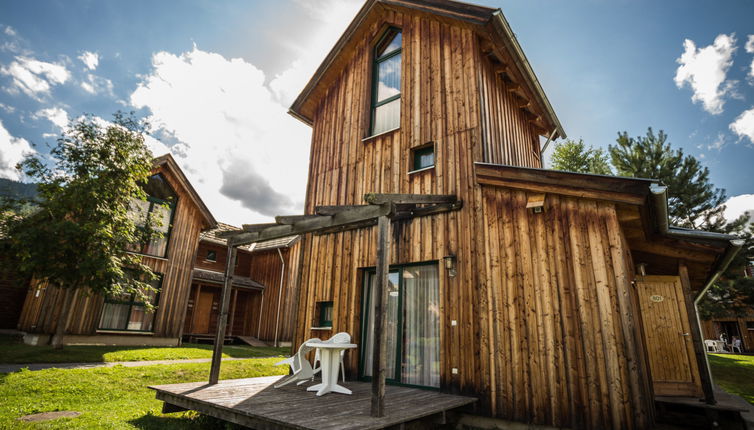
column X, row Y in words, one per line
column 40, row 313
column 544, row 306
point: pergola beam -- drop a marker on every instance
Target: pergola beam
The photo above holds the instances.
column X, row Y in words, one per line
column 420, row 199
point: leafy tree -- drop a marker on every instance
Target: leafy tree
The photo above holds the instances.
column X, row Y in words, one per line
column 693, row 201
column 576, row 157
column 79, row 234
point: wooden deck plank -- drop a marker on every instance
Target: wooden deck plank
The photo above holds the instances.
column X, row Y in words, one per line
column 255, row 402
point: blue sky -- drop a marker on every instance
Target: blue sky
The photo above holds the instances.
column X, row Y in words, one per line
column 216, row 79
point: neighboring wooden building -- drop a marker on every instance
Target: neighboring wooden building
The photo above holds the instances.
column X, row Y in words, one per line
column 739, row 326
column 96, row 319
column 555, row 298
column 260, row 305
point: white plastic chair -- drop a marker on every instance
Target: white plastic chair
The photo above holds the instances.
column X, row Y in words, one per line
column 302, row 369
column 736, row 346
column 711, row 345
column 341, row 337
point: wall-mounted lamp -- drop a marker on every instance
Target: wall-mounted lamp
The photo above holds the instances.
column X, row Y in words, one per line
column 536, row 202
column 641, row 269
column 450, row 265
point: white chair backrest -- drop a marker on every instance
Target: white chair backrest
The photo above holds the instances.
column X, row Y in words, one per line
column 299, row 360
column 341, row 337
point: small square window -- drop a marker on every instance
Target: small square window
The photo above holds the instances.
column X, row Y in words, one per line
column 749, row 325
column 211, row 256
column 325, row 314
column 423, row 157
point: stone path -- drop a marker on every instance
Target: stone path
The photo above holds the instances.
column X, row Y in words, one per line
column 8, row 368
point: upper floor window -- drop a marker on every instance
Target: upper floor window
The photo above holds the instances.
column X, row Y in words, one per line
column 159, row 207
column 386, row 85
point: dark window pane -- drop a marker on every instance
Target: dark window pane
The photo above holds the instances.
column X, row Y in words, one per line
column 211, row 255
column 389, row 78
column 424, row 157
column 159, row 188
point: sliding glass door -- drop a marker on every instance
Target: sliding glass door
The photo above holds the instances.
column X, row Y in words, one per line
column 413, row 325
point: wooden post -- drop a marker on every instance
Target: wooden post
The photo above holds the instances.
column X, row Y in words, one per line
column 696, row 336
column 217, row 353
column 379, row 358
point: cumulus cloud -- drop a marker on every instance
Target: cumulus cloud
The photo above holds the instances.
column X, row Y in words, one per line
column 90, row 59
column 55, row 115
column 331, row 17
column 737, row 205
column 33, row 77
column 12, row 151
column 705, row 69
column 236, row 143
column 750, row 49
column 743, row 125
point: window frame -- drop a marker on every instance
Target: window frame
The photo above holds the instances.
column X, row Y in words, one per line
column 391, row 31
column 213, row 253
column 365, row 295
column 322, row 322
column 142, row 247
column 131, row 304
column 415, row 151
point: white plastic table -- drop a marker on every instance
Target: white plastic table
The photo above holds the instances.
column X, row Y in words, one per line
column 329, row 355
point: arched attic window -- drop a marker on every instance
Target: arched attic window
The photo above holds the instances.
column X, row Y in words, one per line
column 386, row 82
column 159, row 206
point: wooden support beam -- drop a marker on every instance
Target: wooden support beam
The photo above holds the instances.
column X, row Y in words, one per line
column 292, row 219
column 253, row 227
column 696, row 335
column 379, row 357
column 313, row 225
column 378, row 199
column 217, row 352
column 427, row 210
column 332, row 210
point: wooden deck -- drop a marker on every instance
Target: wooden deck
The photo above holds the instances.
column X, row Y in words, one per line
column 254, row 402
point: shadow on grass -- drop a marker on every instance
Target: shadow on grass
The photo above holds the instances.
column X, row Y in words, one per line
column 189, row 420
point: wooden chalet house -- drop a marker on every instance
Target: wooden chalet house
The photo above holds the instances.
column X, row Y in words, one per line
column 260, row 303
column 121, row 320
column 554, row 298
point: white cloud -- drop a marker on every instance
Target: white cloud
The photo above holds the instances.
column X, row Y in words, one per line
column 94, row 84
column 737, row 205
column 90, row 59
column 10, row 31
column 743, row 125
column 750, row 44
column 247, row 158
column 12, row 151
column 331, row 18
column 33, row 77
column 55, row 115
column 7, row 108
column 705, row 70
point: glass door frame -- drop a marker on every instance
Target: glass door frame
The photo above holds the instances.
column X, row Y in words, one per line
column 367, row 274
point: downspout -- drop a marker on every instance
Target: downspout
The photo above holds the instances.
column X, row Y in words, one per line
column 259, row 325
column 280, row 295
column 659, row 194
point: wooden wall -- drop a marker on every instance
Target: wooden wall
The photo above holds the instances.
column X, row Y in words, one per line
column 543, row 303
column 40, row 313
column 710, row 331
column 263, row 267
column 508, row 137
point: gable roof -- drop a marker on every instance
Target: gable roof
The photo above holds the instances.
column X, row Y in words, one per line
column 167, row 161
column 486, row 21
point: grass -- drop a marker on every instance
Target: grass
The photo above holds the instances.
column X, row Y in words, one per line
column 113, row 398
column 734, row 373
column 13, row 351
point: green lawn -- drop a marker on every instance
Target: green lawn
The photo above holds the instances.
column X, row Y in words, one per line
column 12, row 351
column 734, row 373
column 113, row 398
